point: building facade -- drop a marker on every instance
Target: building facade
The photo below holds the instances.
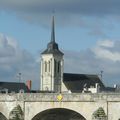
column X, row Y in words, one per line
column 53, row 78
column 51, row 65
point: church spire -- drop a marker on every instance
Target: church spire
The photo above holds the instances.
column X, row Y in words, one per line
column 52, row 47
column 53, row 31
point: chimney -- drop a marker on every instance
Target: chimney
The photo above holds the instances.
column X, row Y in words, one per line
column 29, row 84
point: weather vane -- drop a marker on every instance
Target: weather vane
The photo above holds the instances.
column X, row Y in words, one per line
column 19, row 77
column 101, row 74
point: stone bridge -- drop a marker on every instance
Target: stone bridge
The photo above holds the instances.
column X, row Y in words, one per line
column 53, row 106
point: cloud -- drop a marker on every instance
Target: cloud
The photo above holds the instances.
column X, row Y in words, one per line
column 101, row 51
column 80, row 13
column 104, row 56
column 105, row 43
column 13, row 60
column 41, row 10
column 69, row 6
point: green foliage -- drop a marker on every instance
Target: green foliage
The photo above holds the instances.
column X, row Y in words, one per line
column 16, row 113
column 99, row 114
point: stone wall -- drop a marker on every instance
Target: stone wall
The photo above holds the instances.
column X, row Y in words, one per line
column 85, row 104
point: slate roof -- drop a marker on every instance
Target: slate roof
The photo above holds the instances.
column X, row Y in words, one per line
column 13, row 87
column 76, row 82
column 52, row 47
column 109, row 89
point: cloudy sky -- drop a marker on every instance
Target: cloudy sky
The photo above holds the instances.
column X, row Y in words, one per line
column 87, row 31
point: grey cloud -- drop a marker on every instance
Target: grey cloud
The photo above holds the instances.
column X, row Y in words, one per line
column 85, row 62
column 117, row 46
column 70, row 6
column 17, row 60
column 81, row 62
column 97, row 32
column 67, row 12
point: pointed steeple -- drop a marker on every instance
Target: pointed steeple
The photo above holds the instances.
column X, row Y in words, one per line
column 53, row 31
column 52, row 47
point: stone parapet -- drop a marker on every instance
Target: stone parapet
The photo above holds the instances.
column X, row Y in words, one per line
column 52, row 97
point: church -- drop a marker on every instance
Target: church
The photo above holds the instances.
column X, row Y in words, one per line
column 53, row 78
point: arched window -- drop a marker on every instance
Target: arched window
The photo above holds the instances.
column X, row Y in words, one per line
column 45, row 66
column 59, row 67
column 55, row 65
column 49, row 66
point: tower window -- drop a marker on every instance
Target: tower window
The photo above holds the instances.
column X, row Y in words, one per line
column 45, row 66
column 58, row 67
column 49, row 66
column 55, row 65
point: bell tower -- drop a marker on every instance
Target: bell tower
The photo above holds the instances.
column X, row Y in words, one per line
column 51, row 65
